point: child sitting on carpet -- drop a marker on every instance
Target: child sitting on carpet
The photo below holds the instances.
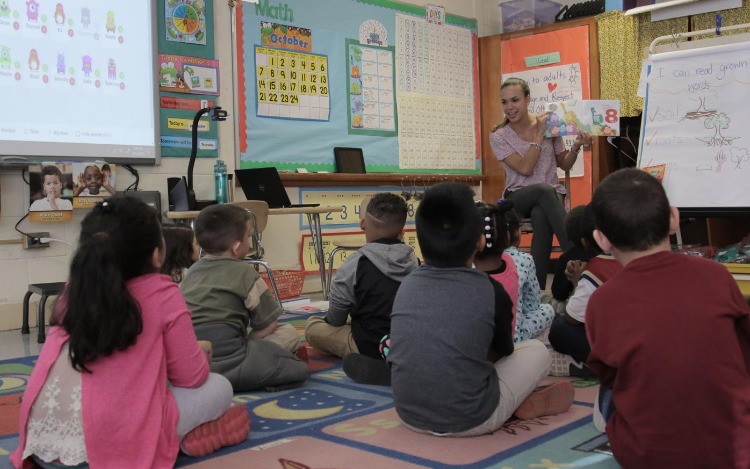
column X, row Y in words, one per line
column 578, row 253
column 533, row 316
column 364, row 287
column 226, row 294
column 182, row 250
column 567, row 336
column 104, row 341
column 492, row 260
column 447, row 318
column 670, row 336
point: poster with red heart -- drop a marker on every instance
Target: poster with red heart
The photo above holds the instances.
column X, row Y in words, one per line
column 554, row 84
column 551, row 84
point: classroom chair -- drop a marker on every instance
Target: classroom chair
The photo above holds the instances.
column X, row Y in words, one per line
column 45, row 290
column 259, row 216
column 340, row 245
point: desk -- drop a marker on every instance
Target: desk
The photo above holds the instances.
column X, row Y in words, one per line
column 313, row 221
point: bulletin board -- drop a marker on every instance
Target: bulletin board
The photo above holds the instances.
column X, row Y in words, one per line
column 373, row 74
column 188, row 76
column 558, row 61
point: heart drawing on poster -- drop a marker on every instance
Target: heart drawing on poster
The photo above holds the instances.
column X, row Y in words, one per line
column 551, row 87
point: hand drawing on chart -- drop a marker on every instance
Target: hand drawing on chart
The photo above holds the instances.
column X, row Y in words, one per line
column 720, row 159
column 739, row 156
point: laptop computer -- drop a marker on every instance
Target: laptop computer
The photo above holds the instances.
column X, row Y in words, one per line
column 265, row 184
column 349, row 160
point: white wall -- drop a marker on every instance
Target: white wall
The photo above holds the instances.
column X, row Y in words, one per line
column 20, row 267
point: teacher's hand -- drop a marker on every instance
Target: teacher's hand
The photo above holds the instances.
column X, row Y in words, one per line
column 540, row 127
column 583, row 139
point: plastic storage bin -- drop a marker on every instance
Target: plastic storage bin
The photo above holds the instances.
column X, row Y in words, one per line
column 525, row 14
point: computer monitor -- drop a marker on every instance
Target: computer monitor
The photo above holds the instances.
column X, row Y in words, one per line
column 349, row 160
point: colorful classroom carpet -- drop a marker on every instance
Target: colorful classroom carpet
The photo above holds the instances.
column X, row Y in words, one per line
column 332, row 422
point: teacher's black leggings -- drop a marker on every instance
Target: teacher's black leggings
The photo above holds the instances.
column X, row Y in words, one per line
column 542, row 204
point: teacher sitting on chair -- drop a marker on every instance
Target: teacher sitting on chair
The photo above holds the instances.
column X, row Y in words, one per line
column 531, row 161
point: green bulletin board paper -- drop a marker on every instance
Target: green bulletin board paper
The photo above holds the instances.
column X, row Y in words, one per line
column 180, row 140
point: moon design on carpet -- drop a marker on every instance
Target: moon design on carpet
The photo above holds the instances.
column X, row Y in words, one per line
column 10, row 383
column 271, row 410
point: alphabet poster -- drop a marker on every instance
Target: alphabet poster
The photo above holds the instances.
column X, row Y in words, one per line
column 695, row 124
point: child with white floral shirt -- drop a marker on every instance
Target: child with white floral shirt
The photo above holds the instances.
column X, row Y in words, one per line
column 533, row 316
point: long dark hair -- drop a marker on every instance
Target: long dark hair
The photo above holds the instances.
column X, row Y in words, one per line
column 178, row 241
column 116, row 244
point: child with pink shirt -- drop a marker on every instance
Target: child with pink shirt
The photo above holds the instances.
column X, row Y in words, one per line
column 121, row 380
column 493, row 260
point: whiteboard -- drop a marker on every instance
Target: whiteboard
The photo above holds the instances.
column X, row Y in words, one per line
column 696, row 125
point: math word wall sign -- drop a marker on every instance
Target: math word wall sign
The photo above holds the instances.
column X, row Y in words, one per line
column 307, row 255
column 292, row 85
column 351, row 200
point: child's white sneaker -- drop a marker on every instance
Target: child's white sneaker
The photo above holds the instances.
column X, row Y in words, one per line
column 565, row 365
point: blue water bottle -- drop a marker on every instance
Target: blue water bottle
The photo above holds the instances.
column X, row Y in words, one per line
column 220, row 182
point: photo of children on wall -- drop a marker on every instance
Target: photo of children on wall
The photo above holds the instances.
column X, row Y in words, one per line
column 93, row 180
column 51, row 187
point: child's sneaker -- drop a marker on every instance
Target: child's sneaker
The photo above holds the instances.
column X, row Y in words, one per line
column 367, row 370
column 229, row 429
column 565, row 365
column 553, row 399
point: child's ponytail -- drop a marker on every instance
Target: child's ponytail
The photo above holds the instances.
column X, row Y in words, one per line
column 98, row 312
column 496, row 231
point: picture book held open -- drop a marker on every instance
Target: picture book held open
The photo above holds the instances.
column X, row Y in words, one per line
column 597, row 117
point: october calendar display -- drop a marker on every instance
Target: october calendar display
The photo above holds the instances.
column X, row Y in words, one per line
column 291, row 85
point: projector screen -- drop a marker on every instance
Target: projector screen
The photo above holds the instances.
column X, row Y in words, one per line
column 78, row 81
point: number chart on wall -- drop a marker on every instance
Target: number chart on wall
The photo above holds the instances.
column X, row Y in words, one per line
column 350, row 199
column 370, row 74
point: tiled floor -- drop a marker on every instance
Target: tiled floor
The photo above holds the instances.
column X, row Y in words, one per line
column 13, row 344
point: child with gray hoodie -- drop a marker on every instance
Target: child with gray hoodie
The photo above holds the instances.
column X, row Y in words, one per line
column 365, row 285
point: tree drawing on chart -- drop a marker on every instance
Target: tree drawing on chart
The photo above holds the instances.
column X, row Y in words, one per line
column 699, row 113
column 739, row 156
column 717, row 122
column 713, row 120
